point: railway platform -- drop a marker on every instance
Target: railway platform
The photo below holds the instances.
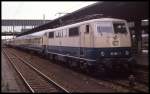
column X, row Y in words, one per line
column 10, row 81
column 142, row 59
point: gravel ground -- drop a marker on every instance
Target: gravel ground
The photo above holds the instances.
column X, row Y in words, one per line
column 142, row 59
column 10, row 81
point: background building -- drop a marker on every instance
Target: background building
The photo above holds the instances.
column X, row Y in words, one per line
column 11, row 28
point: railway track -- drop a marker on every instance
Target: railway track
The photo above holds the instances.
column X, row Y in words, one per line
column 33, row 78
column 124, row 84
column 140, row 83
column 143, row 77
column 121, row 85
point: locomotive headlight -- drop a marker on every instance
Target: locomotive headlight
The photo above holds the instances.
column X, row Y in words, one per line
column 126, row 52
column 111, row 53
column 102, row 53
column 115, row 53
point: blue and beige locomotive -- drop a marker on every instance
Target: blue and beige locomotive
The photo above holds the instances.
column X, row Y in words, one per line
column 103, row 43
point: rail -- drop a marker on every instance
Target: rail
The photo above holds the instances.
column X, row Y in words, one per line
column 29, row 85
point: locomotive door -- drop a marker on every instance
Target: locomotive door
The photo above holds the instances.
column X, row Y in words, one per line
column 85, row 39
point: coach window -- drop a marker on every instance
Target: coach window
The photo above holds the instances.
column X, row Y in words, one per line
column 47, row 34
column 74, row 31
column 51, row 34
column 87, row 29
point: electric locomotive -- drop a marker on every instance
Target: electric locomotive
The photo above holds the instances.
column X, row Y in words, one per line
column 104, row 43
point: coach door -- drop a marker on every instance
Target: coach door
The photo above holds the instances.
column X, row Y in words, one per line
column 85, row 40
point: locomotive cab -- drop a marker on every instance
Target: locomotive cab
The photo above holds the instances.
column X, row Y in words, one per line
column 112, row 42
column 112, row 39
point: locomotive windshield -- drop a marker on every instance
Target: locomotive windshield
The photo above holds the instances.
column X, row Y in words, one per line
column 119, row 28
column 104, row 27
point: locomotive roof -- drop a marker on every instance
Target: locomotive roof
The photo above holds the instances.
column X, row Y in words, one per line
column 41, row 33
column 84, row 22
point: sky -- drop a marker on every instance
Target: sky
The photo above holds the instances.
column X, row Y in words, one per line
column 36, row 10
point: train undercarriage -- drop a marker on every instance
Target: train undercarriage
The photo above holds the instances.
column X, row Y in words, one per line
column 100, row 66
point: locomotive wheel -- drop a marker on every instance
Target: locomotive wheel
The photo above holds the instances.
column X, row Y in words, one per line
column 101, row 69
column 81, row 66
column 53, row 57
column 74, row 63
column 43, row 54
column 70, row 63
column 50, row 56
column 126, row 68
column 84, row 67
column 46, row 56
column 100, row 66
column 66, row 61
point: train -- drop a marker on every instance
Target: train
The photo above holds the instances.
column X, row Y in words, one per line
column 97, row 44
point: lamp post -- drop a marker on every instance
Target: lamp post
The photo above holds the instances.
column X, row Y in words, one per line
column 44, row 18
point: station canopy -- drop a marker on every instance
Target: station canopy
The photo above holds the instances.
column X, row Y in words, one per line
column 130, row 11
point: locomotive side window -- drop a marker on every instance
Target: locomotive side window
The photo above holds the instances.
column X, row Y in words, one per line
column 87, row 29
column 104, row 27
column 47, row 34
column 51, row 35
column 56, row 34
column 64, row 33
column 73, row 31
column 61, row 33
column 120, row 28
